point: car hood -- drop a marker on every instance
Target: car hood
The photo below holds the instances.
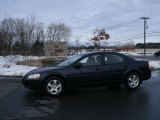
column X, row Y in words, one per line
column 43, row 69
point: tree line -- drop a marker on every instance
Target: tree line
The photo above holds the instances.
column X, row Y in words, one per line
column 25, row 36
column 148, row 45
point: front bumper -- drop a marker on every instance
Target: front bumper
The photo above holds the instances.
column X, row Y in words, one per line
column 32, row 84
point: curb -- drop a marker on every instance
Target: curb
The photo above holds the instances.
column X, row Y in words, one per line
column 8, row 79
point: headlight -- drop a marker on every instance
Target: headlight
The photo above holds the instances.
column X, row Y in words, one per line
column 34, row 76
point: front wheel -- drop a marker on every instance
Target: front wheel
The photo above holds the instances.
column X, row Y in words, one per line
column 54, row 86
column 132, row 81
column 155, row 55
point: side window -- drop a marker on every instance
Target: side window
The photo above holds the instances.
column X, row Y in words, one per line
column 113, row 58
column 91, row 60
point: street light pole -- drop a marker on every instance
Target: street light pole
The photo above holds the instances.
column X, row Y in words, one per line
column 145, row 23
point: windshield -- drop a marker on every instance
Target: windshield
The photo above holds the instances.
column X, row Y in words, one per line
column 69, row 61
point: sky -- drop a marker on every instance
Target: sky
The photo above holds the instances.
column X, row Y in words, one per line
column 120, row 18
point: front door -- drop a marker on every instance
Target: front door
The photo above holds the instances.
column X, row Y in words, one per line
column 90, row 71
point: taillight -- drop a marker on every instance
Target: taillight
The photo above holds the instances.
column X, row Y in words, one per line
column 147, row 66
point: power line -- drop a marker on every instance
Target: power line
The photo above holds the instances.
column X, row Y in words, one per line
column 133, row 38
column 134, row 35
column 154, row 23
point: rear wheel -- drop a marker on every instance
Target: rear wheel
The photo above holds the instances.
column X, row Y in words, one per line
column 132, row 81
column 54, row 86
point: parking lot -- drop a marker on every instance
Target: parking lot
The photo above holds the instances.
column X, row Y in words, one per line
column 20, row 103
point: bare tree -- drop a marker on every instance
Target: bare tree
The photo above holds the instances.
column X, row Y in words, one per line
column 129, row 44
column 39, row 32
column 8, row 34
column 30, row 28
column 58, row 32
column 21, row 33
column 25, row 33
column 1, row 40
column 17, row 36
column 118, row 44
column 37, row 47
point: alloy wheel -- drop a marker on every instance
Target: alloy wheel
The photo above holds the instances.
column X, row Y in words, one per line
column 133, row 81
column 54, row 87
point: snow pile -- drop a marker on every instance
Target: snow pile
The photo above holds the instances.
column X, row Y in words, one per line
column 154, row 65
column 136, row 53
column 15, row 70
column 8, row 65
column 13, row 59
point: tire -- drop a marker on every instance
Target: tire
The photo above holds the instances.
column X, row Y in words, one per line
column 54, row 86
column 155, row 55
column 132, row 81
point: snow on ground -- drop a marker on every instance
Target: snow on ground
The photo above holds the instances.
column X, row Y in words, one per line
column 8, row 65
column 136, row 53
column 155, row 65
column 12, row 59
column 15, row 70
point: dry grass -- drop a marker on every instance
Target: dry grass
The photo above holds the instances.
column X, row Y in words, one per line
column 41, row 62
column 35, row 63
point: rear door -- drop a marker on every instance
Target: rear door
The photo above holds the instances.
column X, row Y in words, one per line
column 114, row 67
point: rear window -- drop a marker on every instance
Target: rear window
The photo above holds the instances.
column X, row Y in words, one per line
column 113, row 58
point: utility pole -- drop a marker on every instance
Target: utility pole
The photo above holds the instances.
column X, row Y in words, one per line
column 145, row 23
column 77, row 43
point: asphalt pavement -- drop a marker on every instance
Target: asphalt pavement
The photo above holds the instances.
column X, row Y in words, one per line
column 8, row 84
column 103, row 103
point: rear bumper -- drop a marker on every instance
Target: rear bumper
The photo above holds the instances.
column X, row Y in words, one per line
column 147, row 75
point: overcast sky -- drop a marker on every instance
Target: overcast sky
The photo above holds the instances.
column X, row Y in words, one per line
column 119, row 17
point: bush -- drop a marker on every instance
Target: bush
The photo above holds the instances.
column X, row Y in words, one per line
column 50, row 62
column 42, row 62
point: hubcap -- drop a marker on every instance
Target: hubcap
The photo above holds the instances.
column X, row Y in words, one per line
column 133, row 81
column 54, row 86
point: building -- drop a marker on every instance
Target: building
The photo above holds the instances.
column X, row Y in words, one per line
column 56, row 48
column 137, row 50
column 148, row 50
column 124, row 49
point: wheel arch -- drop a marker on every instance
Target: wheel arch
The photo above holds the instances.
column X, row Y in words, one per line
column 133, row 71
column 55, row 75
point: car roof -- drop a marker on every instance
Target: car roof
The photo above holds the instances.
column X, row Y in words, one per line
column 90, row 53
column 87, row 53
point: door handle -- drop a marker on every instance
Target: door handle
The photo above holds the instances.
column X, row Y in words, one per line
column 97, row 69
column 125, row 66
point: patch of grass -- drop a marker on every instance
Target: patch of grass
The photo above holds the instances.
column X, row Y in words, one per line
column 35, row 63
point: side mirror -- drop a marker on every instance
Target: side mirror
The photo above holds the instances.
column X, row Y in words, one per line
column 78, row 65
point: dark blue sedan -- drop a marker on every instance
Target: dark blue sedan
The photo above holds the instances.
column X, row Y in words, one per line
column 89, row 69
